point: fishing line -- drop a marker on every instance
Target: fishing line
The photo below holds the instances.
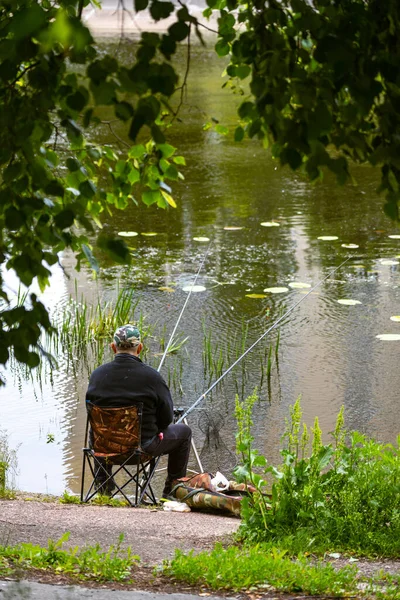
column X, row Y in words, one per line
column 183, row 309
column 169, row 344
column 189, row 410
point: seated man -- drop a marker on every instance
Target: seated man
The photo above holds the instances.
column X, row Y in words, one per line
column 127, row 380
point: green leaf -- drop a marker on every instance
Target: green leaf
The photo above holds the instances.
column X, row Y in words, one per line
column 221, row 129
column 239, row 134
column 179, row 31
column 78, row 100
column 150, row 197
column 123, row 110
column 90, row 258
column 87, row 188
column 26, row 21
column 55, row 188
column 115, row 248
column 73, row 164
column 179, row 160
column 243, row 71
column 222, row 48
column 161, row 10
column 137, row 151
column 141, row 5
column 65, row 218
column 134, row 176
column 166, row 150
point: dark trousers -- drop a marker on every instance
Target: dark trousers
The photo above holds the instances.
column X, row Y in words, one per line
column 175, row 443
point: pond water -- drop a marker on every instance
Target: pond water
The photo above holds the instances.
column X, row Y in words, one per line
column 327, row 351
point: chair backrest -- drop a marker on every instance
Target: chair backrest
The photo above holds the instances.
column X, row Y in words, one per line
column 115, row 430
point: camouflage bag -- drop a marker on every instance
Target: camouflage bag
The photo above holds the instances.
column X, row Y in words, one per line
column 198, row 493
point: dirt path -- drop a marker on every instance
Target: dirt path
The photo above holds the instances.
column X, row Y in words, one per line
column 152, row 534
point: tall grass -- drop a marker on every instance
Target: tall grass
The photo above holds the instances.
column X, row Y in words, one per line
column 8, row 467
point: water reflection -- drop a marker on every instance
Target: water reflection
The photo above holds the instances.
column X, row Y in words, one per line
column 328, row 352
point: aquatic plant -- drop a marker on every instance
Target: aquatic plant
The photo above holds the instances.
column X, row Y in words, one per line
column 8, row 467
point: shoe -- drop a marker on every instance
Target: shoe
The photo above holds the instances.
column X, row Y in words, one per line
column 168, row 487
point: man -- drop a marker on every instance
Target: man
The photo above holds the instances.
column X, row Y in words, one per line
column 127, row 380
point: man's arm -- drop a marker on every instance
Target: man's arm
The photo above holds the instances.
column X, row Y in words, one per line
column 165, row 407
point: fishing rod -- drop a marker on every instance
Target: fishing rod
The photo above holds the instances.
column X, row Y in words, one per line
column 184, row 419
column 189, row 410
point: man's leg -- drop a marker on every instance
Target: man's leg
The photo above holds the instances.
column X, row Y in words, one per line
column 176, row 443
column 105, row 487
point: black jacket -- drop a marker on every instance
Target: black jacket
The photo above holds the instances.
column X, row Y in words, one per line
column 127, row 380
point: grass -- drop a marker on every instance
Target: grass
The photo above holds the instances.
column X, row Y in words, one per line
column 98, row 500
column 265, row 567
column 8, row 468
column 260, row 567
column 89, row 563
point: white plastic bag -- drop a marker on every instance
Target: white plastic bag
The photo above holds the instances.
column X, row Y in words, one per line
column 219, row 482
column 174, row 506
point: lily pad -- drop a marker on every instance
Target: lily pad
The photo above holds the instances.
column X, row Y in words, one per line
column 350, row 246
column 128, row 233
column 349, row 302
column 298, row 285
column 389, row 262
column 276, row 290
column 395, row 318
column 232, row 228
column 149, row 234
column 388, row 337
column 394, row 237
column 165, row 288
column 270, row 224
column 201, row 239
column 256, row 296
column 328, row 238
column 194, row 288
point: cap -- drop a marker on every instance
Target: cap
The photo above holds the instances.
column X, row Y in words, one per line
column 127, row 336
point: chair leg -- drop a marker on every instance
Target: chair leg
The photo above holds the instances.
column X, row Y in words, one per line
column 145, row 488
column 83, row 474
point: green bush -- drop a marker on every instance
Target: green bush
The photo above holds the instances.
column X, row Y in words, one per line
column 344, row 495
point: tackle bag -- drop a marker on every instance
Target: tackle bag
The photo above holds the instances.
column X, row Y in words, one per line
column 199, row 493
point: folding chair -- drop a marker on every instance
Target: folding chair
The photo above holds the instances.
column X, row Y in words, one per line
column 115, row 438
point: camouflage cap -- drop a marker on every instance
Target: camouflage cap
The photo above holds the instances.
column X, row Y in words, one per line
column 127, row 336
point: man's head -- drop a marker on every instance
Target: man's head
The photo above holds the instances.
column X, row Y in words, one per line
column 127, row 339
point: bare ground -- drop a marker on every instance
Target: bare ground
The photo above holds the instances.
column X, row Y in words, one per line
column 153, row 534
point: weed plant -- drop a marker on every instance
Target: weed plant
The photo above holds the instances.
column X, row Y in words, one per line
column 90, row 562
column 260, row 567
column 343, row 495
column 99, row 500
column 8, row 467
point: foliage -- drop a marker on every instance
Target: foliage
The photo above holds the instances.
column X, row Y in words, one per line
column 323, row 91
column 68, row 498
column 90, row 562
column 8, row 467
column 343, row 496
column 259, row 566
column 323, row 79
column 55, row 184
